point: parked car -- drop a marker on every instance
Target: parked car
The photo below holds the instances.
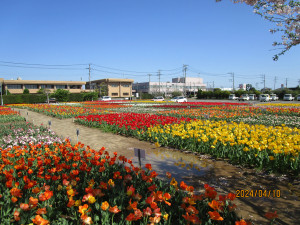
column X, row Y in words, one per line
column 288, row 97
column 252, row 97
column 273, row 97
column 233, row 97
column 244, row 97
column 179, row 99
column 105, row 98
column 298, row 97
column 264, row 98
column 158, row 99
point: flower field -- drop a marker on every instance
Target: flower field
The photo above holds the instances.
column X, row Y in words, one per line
column 271, row 148
column 91, row 187
column 45, row 180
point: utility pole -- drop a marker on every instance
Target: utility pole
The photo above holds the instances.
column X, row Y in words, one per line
column 158, row 81
column 275, row 82
column 263, row 76
column 286, row 82
column 184, row 71
column 90, row 76
column 232, row 74
column 213, row 86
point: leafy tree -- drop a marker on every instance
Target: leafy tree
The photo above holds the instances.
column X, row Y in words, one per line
column 176, row 93
column 90, row 96
column 41, row 91
column 61, row 95
column 147, row 96
column 285, row 15
column 25, row 91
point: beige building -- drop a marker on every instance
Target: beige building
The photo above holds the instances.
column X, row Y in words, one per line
column 121, row 88
column 18, row 86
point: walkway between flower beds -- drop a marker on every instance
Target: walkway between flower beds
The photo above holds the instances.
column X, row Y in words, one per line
column 194, row 170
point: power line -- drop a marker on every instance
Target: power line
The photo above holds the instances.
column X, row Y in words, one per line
column 36, row 67
column 38, row 64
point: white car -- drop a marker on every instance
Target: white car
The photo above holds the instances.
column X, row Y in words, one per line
column 244, row 97
column 158, row 99
column 298, row 97
column 273, row 97
column 105, row 98
column 233, row 97
column 179, row 99
column 252, row 97
column 264, row 98
column 288, row 97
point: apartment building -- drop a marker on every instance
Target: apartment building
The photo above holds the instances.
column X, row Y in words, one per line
column 18, row 86
column 114, row 87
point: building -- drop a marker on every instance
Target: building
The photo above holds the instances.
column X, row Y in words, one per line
column 113, row 87
column 18, row 86
column 178, row 84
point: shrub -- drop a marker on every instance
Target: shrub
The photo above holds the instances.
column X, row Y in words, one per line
column 61, row 95
column 26, row 91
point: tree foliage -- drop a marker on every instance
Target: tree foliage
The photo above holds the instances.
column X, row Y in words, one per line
column 25, row 91
column 61, row 95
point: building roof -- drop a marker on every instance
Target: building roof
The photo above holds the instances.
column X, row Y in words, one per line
column 113, row 80
column 43, row 82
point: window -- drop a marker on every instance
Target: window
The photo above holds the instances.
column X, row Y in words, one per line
column 47, row 86
column 125, row 93
column 125, row 85
column 61, row 86
column 114, row 85
column 76, row 86
column 114, row 94
column 14, row 86
column 31, row 86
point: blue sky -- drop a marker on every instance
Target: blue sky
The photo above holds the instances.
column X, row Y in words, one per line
column 141, row 36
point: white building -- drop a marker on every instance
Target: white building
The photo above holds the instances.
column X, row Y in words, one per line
column 191, row 86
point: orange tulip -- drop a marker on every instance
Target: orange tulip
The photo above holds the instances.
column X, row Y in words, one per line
column 114, row 209
column 83, row 208
column 40, row 220
column 17, row 215
column 214, row 205
column 104, row 205
column 16, row 192
column 41, row 211
column 14, row 199
column 24, row 207
column 33, row 202
column 215, row 215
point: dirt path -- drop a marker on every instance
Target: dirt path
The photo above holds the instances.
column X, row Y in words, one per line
column 194, row 170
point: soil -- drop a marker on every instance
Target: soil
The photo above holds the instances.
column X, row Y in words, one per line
column 195, row 170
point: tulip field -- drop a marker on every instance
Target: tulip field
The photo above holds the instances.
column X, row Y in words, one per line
column 47, row 180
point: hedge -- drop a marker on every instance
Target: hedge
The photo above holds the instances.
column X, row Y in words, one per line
column 24, row 98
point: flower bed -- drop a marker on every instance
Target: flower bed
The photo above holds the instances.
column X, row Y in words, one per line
column 65, row 184
column 9, row 115
column 59, row 111
column 21, row 134
column 271, row 148
column 127, row 122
